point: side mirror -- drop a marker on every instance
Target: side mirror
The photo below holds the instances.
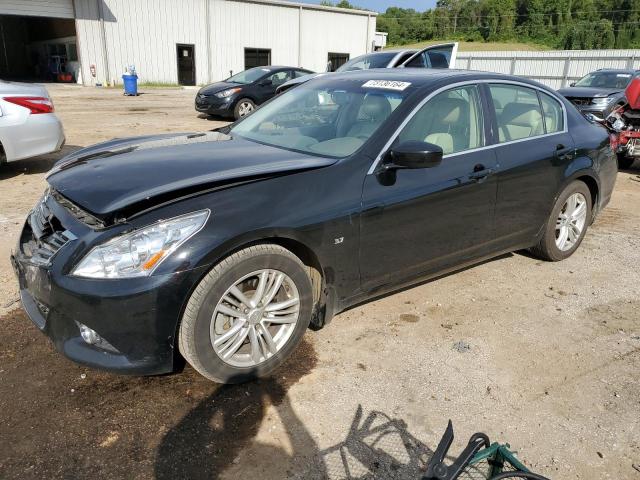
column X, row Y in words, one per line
column 265, row 82
column 414, row 154
column 572, row 84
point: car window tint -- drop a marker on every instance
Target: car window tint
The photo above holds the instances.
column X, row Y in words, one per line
column 452, row 120
column 419, row 61
column 434, row 58
column 517, row 112
column 333, row 120
column 299, row 73
column 553, row 117
column 280, row 77
column 404, row 58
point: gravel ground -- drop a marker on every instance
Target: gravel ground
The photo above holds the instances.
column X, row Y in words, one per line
column 543, row 356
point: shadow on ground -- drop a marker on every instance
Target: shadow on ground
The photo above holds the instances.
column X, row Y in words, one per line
column 376, row 447
column 61, row 420
column 207, row 440
column 39, row 164
column 215, row 118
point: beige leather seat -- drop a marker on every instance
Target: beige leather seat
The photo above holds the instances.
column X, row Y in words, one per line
column 446, row 114
column 519, row 120
column 443, row 140
column 374, row 110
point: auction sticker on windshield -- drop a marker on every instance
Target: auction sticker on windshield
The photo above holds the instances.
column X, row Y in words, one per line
column 387, row 84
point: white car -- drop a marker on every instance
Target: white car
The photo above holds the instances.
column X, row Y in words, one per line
column 28, row 126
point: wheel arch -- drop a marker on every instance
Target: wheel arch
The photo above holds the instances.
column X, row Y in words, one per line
column 594, row 188
column 248, row 97
column 583, row 169
column 323, row 294
column 590, row 178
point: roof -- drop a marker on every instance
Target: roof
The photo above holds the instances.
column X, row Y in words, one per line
column 423, row 77
column 311, row 6
column 279, row 67
column 625, row 70
column 395, row 50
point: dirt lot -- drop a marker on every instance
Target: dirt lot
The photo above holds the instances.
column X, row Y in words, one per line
column 544, row 356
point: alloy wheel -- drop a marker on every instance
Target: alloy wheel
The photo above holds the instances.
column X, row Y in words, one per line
column 571, row 221
column 245, row 109
column 255, row 318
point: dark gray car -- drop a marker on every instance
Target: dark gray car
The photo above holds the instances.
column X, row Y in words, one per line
column 597, row 93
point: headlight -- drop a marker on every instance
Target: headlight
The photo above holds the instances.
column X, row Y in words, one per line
column 228, row 92
column 602, row 100
column 138, row 253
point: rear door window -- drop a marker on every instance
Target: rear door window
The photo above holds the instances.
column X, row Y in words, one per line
column 553, row 113
column 518, row 112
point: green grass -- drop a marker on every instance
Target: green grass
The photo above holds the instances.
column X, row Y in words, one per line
column 479, row 46
column 146, row 85
column 158, row 85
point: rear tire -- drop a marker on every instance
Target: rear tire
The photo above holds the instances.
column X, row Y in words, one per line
column 203, row 325
column 567, row 224
column 624, row 162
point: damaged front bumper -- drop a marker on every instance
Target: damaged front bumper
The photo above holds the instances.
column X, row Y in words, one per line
column 135, row 318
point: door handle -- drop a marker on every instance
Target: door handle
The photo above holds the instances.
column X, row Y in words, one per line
column 481, row 174
column 564, row 153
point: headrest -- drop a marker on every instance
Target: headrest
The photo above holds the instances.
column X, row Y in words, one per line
column 448, row 110
column 520, row 114
column 375, row 107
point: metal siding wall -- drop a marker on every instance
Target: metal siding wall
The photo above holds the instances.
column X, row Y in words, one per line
column 324, row 32
column 142, row 33
column 145, row 33
column 137, row 34
column 238, row 25
column 38, row 8
column 90, row 47
column 549, row 67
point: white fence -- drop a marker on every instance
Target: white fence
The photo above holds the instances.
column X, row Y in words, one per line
column 556, row 68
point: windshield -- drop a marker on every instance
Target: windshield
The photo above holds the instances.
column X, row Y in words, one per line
column 365, row 62
column 605, row 80
column 330, row 120
column 248, row 76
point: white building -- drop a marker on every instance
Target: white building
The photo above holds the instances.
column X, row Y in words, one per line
column 174, row 41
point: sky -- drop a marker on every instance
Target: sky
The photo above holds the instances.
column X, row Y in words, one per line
column 382, row 5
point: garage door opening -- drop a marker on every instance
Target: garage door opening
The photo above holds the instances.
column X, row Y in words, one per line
column 38, row 49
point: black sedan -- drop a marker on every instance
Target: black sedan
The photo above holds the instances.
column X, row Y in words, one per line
column 224, row 247
column 239, row 95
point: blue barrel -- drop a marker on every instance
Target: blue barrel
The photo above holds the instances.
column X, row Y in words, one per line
column 130, row 84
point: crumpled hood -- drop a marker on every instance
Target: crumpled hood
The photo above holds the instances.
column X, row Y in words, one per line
column 587, row 92
column 135, row 173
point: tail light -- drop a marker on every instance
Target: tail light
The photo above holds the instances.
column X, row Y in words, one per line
column 34, row 104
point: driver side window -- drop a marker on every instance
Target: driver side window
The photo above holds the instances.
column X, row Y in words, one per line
column 452, row 120
column 279, row 78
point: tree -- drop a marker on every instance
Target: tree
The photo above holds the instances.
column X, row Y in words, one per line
column 556, row 23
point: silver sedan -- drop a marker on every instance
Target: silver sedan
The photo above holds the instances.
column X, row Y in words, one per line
column 28, row 126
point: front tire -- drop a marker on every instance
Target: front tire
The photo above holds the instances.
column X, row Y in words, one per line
column 567, row 224
column 243, row 108
column 247, row 315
